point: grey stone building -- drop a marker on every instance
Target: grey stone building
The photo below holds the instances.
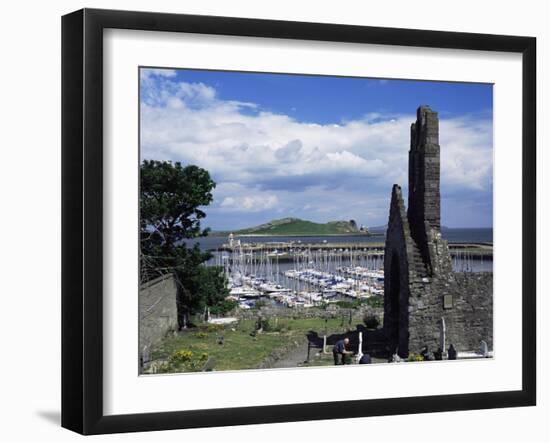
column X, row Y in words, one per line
column 425, row 302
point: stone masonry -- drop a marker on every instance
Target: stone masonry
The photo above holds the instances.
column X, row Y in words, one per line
column 158, row 313
column 421, row 291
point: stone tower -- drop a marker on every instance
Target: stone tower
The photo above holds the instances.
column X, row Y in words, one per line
column 424, row 211
column 421, row 291
column 424, row 165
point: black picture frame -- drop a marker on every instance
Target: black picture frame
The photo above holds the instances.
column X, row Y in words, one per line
column 82, row 219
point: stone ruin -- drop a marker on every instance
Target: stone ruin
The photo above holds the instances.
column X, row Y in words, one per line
column 425, row 302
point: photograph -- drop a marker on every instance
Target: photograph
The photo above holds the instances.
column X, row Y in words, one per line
column 291, row 220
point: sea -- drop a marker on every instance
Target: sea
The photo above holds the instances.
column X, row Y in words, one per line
column 452, row 235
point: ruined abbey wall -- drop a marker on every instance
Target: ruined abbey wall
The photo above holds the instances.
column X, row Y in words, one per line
column 421, row 290
column 463, row 300
column 398, row 275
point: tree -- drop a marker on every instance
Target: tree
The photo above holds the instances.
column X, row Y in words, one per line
column 170, row 197
column 170, row 200
column 211, row 283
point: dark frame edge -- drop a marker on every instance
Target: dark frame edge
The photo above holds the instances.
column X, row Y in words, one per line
column 529, row 219
column 72, row 117
column 307, row 412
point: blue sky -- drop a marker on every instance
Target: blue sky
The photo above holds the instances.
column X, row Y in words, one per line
column 316, row 147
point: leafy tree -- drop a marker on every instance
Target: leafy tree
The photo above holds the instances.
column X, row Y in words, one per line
column 171, row 197
column 211, row 283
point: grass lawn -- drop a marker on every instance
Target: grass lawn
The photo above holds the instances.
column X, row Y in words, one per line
column 241, row 350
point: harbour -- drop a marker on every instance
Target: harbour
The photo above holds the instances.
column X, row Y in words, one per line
column 309, row 272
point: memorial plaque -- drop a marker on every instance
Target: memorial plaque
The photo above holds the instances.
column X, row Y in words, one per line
column 448, row 301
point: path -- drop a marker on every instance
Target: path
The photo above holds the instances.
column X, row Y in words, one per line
column 294, row 358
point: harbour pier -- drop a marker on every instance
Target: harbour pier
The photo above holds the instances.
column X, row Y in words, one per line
column 288, row 250
column 297, row 273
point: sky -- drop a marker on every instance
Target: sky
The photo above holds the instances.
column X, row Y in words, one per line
column 317, row 148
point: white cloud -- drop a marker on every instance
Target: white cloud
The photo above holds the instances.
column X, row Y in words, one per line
column 251, row 203
column 466, row 153
column 262, row 160
column 146, row 73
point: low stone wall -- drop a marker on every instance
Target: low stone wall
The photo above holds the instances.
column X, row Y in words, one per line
column 332, row 311
column 158, row 313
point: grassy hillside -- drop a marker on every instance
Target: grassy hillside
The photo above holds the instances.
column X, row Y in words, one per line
column 295, row 226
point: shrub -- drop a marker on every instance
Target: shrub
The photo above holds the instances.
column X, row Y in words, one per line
column 371, row 321
column 415, row 357
column 223, row 307
column 180, row 357
column 376, row 301
column 266, row 325
column 344, row 304
column 210, row 327
column 184, row 361
column 275, row 325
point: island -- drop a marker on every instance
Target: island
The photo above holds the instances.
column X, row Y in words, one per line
column 290, row 226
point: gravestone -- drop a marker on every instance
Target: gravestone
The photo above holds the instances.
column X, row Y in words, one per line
column 360, row 348
column 442, row 334
column 484, row 349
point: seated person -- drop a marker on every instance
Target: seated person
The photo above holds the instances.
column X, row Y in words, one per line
column 339, row 351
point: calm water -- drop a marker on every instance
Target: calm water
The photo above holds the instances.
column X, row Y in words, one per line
column 460, row 263
column 473, row 235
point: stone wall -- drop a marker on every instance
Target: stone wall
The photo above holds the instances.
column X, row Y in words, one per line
column 332, row 311
column 464, row 301
column 158, row 313
column 398, row 273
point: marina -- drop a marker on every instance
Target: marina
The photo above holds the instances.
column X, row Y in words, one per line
column 300, row 274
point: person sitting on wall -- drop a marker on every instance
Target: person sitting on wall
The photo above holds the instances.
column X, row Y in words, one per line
column 340, row 350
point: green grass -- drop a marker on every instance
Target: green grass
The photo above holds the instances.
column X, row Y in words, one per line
column 241, row 350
